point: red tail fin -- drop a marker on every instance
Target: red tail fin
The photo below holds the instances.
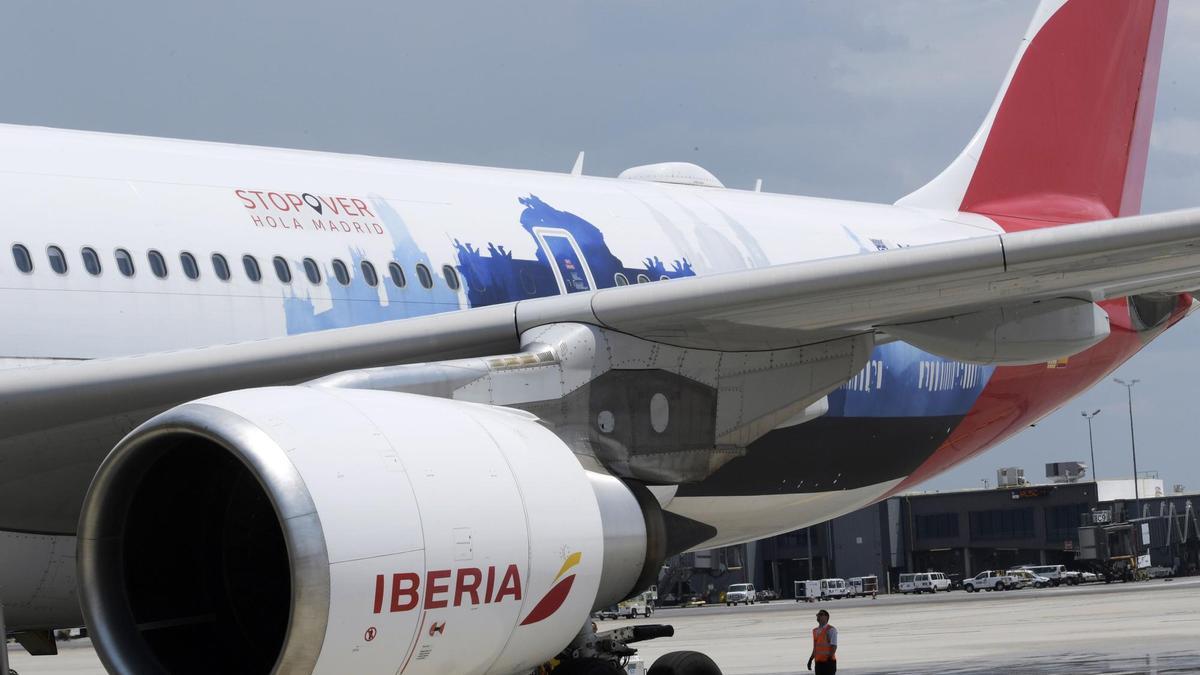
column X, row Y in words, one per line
column 1067, row 139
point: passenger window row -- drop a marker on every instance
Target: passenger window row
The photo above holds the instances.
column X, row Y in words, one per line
column 191, row 267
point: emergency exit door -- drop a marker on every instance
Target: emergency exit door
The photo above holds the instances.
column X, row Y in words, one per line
column 566, row 259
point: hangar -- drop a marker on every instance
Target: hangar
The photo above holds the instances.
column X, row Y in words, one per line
column 958, row 532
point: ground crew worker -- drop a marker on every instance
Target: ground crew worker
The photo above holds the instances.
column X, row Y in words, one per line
column 824, row 646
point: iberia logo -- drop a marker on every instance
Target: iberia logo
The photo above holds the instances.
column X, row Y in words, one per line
column 557, row 594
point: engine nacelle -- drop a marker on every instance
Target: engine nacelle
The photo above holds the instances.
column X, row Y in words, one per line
column 309, row 529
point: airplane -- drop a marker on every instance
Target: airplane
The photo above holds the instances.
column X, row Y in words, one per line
column 275, row 411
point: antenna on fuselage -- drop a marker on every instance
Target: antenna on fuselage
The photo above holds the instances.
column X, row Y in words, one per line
column 758, row 185
column 577, row 170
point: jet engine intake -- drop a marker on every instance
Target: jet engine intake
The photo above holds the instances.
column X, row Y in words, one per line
column 324, row 530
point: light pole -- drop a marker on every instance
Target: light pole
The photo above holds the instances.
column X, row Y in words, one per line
column 1091, row 445
column 1137, row 499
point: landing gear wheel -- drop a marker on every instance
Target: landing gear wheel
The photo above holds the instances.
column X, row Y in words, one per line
column 589, row 667
column 684, row 663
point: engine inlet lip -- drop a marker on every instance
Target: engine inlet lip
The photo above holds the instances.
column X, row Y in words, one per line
column 99, row 538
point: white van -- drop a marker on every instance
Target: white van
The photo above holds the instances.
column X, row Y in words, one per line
column 1057, row 574
column 833, row 588
column 743, row 593
column 924, row 582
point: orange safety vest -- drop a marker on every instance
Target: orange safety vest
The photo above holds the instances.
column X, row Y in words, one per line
column 822, row 650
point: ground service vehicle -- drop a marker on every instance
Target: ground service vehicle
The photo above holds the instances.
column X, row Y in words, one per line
column 808, row 591
column 641, row 604
column 767, row 595
column 741, row 593
column 833, row 588
column 861, row 587
column 1057, row 574
column 278, row 411
column 991, row 580
column 1026, row 578
column 923, row 582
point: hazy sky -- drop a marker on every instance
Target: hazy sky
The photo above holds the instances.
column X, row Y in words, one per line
column 854, row 100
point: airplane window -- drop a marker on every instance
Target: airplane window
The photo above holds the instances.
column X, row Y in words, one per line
column 397, row 274
column 158, row 264
column 451, row 277
column 424, row 276
column 124, row 262
column 58, row 261
column 91, row 261
column 643, row 279
column 369, row 274
column 528, row 282
column 22, row 258
column 282, row 270
column 190, row 269
column 340, row 271
column 621, row 279
column 664, row 278
column 252, row 271
column 220, row 267
column 312, row 271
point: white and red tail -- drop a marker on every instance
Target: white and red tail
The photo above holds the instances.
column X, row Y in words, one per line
column 1067, row 137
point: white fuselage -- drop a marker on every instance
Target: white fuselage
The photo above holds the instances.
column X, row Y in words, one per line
column 523, row 233
column 74, row 189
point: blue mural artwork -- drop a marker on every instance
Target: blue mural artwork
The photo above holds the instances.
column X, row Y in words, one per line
column 898, row 381
column 360, row 303
column 903, row 381
column 582, row 261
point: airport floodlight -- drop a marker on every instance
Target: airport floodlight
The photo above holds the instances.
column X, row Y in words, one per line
column 1091, row 444
column 1137, row 498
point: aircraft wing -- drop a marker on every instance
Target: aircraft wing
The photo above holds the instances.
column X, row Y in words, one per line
column 66, row 417
column 813, row 301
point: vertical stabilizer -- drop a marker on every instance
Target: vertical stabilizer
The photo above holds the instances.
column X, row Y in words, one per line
column 1067, row 137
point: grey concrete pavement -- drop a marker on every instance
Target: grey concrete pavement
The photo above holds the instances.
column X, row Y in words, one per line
column 1148, row 627
column 1127, row 628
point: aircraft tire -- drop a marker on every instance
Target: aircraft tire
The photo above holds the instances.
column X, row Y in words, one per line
column 684, row 663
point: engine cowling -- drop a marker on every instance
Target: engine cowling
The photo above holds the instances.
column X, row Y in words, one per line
column 310, row 529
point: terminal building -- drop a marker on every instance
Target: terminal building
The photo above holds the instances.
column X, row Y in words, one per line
column 960, row 533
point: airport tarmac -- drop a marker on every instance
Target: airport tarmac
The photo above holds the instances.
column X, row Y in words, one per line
column 1146, row 627
column 1149, row 627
